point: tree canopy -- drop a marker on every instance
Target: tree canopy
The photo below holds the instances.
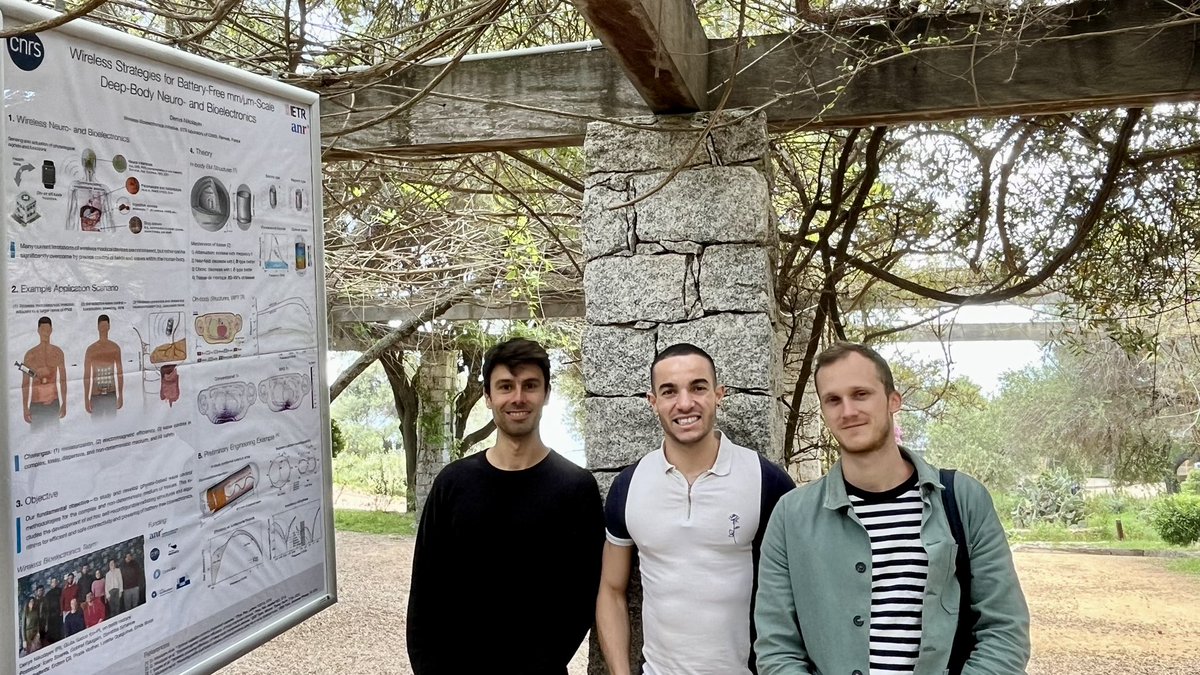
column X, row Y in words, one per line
column 1097, row 208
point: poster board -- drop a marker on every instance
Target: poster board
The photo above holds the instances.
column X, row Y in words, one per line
column 163, row 322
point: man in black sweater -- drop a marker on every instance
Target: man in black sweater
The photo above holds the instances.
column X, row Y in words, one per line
column 507, row 561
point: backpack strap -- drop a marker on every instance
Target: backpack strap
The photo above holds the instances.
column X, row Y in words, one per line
column 964, row 635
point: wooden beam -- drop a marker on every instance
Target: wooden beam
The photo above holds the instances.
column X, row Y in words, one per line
column 660, row 45
column 573, row 307
column 1082, row 56
column 537, row 99
column 1037, row 331
column 557, row 308
column 1085, row 55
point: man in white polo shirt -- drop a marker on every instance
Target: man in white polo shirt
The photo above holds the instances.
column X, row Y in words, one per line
column 695, row 510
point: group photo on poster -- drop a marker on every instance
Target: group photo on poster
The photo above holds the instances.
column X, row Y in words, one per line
column 67, row 598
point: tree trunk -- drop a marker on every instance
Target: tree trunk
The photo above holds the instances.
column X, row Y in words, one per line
column 408, row 410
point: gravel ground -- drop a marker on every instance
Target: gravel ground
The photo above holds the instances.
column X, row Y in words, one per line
column 1092, row 615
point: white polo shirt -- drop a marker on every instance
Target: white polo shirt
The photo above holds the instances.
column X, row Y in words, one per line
column 698, row 549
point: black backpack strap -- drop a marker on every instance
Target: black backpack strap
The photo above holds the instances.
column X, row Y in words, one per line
column 964, row 635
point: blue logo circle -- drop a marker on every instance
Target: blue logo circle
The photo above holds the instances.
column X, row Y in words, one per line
column 26, row 51
column 157, row 573
column 154, row 554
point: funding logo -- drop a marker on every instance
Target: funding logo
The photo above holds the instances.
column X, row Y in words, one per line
column 26, row 51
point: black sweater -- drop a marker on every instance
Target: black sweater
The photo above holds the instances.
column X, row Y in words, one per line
column 506, row 569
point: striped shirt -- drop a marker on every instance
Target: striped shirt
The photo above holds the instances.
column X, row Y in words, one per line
column 899, row 567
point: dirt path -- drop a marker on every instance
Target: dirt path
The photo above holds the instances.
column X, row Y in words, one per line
column 1095, row 615
column 1092, row 615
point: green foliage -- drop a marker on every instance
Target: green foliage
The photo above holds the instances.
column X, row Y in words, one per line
column 335, row 434
column 1177, row 519
column 375, row 522
column 972, row 441
column 1050, row 497
column 1099, row 527
column 1090, row 408
column 380, row 474
column 366, row 413
column 1191, row 486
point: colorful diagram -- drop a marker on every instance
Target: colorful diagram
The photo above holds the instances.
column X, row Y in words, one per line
column 284, row 392
column 218, row 328
column 226, row 402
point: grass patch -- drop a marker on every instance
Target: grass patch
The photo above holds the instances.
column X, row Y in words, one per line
column 1185, row 566
column 375, row 522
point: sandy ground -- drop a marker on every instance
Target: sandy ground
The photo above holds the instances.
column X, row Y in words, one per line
column 1095, row 615
column 1092, row 615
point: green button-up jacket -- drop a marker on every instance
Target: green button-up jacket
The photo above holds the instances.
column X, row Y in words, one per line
column 813, row 607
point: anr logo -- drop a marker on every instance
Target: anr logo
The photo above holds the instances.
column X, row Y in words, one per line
column 26, row 51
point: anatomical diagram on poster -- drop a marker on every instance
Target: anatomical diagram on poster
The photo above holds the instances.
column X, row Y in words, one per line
column 165, row 444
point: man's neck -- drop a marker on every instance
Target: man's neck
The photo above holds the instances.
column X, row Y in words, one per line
column 692, row 459
column 516, row 453
column 876, row 470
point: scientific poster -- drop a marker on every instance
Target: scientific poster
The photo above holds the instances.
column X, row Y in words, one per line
column 166, row 469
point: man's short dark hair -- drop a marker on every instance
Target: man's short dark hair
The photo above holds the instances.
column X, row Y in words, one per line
column 840, row 350
column 513, row 353
column 45, row 320
column 682, row 349
column 103, row 318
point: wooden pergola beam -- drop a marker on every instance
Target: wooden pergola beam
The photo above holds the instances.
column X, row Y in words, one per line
column 571, row 306
column 567, row 306
column 1085, row 55
column 659, row 44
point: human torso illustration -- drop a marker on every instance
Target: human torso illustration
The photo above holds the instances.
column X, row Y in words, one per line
column 44, row 381
column 103, row 376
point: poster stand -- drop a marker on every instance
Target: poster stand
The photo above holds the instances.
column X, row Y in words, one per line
column 167, row 412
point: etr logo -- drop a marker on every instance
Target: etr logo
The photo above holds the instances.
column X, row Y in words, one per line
column 299, row 113
column 26, row 51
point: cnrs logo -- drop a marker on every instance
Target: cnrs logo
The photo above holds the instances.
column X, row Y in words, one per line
column 26, row 51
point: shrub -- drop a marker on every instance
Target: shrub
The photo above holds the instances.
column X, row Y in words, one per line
column 1050, row 497
column 1177, row 519
column 335, row 433
column 1191, row 486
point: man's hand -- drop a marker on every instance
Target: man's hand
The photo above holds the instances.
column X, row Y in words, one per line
column 612, row 609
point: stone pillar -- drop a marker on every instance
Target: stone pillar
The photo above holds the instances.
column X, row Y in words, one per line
column 691, row 260
column 437, row 385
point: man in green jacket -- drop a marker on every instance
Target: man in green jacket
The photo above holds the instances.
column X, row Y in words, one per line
column 857, row 570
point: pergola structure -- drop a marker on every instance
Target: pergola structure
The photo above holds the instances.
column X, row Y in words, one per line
column 652, row 76
column 653, row 57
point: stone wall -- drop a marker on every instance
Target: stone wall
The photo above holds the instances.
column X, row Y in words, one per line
column 677, row 258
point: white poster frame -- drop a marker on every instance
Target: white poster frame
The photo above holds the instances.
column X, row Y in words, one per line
column 223, row 653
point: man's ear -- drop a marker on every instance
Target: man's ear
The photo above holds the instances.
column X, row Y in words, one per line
column 720, row 392
column 487, row 400
column 894, row 402
column 651, row 398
